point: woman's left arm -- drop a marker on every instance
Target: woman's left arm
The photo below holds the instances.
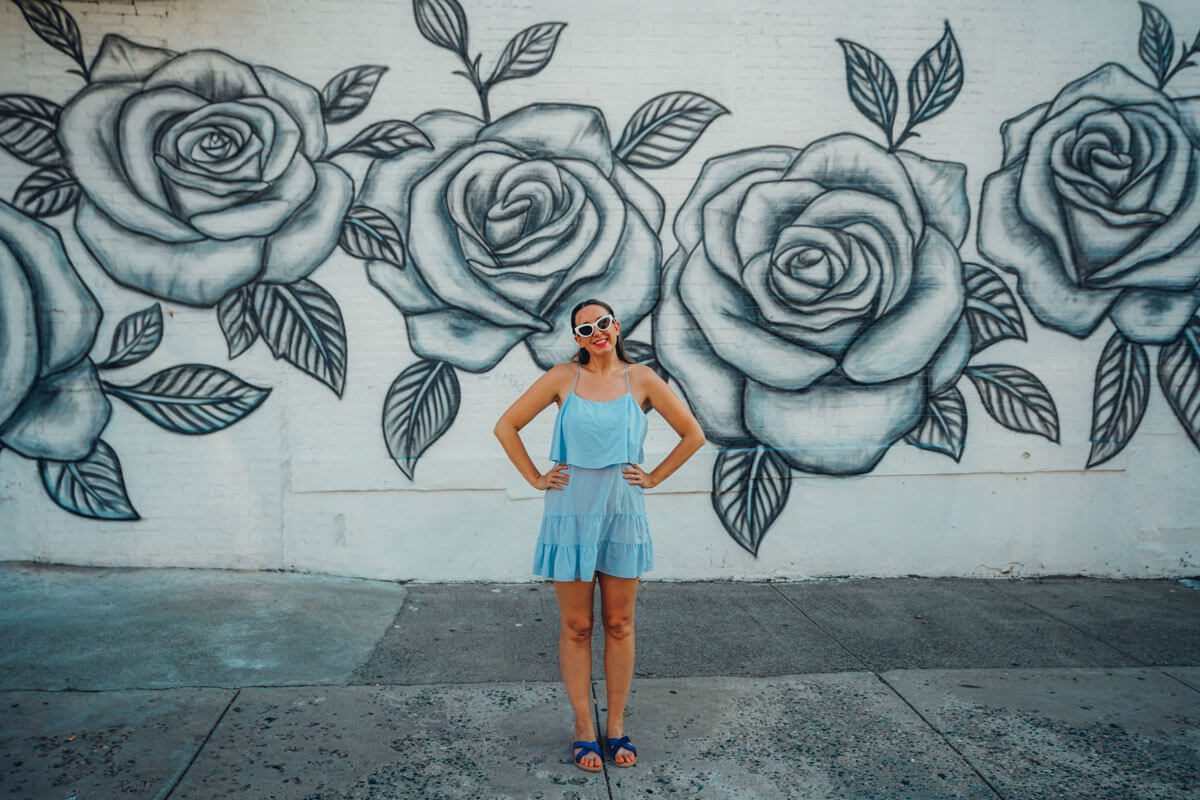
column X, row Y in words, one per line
column 681, row 420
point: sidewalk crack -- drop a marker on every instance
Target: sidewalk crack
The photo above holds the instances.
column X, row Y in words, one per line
column 603, row 761
column 177, row 778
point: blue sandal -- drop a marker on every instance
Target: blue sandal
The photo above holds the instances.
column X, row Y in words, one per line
column 622, row 744
column 583, row 748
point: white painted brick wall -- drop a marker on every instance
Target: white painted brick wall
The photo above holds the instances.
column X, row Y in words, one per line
column 306, row 483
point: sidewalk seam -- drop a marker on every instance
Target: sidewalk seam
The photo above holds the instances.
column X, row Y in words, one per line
column 603, row 761
column 176, row 779
column 893, row 690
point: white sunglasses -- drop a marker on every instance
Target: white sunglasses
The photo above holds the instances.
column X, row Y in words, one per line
column 588, row 328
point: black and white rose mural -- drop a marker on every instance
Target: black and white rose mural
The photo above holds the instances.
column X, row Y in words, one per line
column 815, row 300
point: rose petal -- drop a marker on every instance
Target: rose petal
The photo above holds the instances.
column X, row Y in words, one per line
column 864, row 421
column 461, row 339
column 941, row 188
column 555, row 131
column 952, row 356
column 1015, row 133
column 766, row 209
column 242, row 163
column 66, row 312
column 1187, row 111
column 847, row 161
column 1150, row 316
column 826, row 331
column 1009, row 241
column 629, row 282
column 729, row 325
column 713, row 387
column 196, row 273
column 903, row 341
column 309, row 235
column 143, row 117
column 716, row 175
column 436, row 251
column 267, row 211
column 1112, row 82
column 303, row 105
column 210, row 74
column 61, row 418
column 18, row 334
column 721, row 215
column 641, row 195
column 389, row 181
column 281, row 148
column 877, row 224
column 120, row 59
column 87, row 131
column 403, row 287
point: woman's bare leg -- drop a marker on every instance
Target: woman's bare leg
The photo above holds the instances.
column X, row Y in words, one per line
column 575, row 655
column 617, row 598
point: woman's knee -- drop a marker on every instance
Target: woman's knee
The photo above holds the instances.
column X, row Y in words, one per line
column 578, row 628
column 618, row 625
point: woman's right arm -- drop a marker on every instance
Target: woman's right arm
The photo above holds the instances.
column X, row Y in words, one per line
column 545, row 390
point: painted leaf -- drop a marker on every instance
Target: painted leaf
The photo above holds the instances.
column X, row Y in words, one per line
column 750, row 489
column 1179, row 377
column 443, row 23
column 27, row 129
column 1119, row 398
column 943, row 426
column 385, row 139
column 93, row 487
column 527, row 53
column 1016, row 399
column 135, row 338
column 871, row 85
column 1156, row 43
column 992, row 311
column 235, row 314
column 192, row 399
column 348, row 93
column 47, row 192
column 643, row 353
column 55, row 26
column 368, row 234
column 664, row 128
column 935, row 80
column 302, row 324
column 420, row 406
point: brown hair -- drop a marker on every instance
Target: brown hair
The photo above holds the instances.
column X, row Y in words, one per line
column 582, row 356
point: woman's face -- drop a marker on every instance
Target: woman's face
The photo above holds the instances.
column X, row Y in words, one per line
column 600, row 341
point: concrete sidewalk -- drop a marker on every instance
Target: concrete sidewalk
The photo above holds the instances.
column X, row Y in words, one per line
column 205, row 684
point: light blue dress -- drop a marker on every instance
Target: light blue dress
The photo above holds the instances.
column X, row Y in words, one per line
column 597, row 523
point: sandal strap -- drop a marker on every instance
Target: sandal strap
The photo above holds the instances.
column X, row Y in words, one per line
column 623, row 743
column 585, row 747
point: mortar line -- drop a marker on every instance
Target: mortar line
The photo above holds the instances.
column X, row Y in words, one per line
column 603, row 761
column 893, row 690
column 177, row 778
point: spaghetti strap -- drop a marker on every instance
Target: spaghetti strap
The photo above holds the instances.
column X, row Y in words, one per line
column 576, row 378
column 627, row 389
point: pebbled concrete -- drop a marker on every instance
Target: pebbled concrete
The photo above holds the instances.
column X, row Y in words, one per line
column 429, row 742
column 922, row 623
column 1149, row 621
column 1102, row 734
column 821, row 736
column 102, row 629
column 113, row 744
column 1068, row 723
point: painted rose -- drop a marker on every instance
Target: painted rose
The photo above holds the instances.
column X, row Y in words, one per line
column 507, row 227
column 1097, row 207
column 51, row 403
column 815, row 301
column 200, row 173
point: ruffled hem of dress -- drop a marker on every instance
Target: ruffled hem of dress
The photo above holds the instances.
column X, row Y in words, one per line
column 575, row 562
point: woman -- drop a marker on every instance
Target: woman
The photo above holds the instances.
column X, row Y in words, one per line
column 594, row 528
